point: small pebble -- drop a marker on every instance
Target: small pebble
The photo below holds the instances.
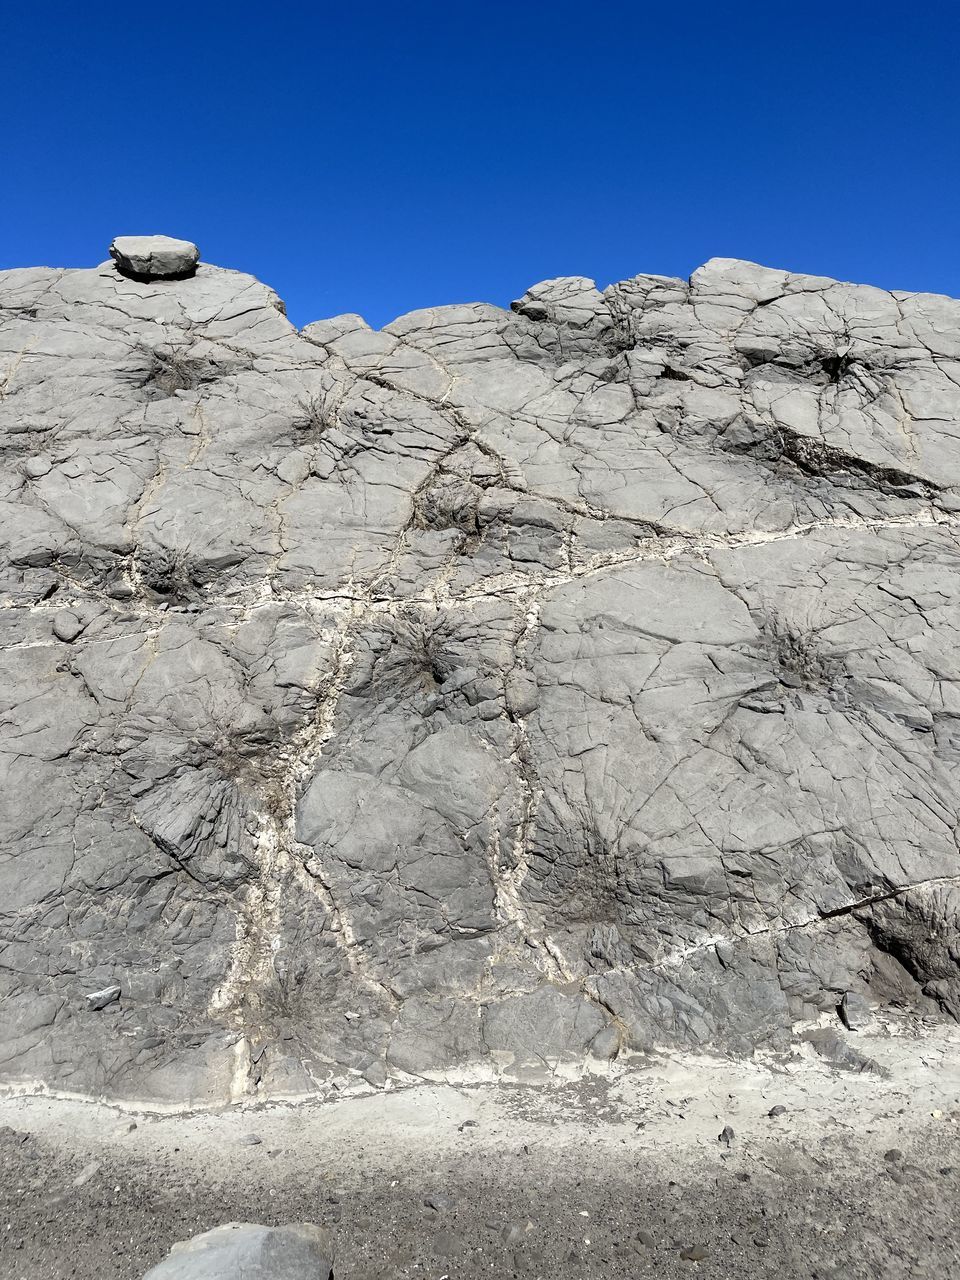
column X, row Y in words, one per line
column 855, row 1012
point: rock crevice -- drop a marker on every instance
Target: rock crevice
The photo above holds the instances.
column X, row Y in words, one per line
column 498, row 689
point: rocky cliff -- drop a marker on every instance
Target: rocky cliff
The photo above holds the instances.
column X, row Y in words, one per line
column 496, row 689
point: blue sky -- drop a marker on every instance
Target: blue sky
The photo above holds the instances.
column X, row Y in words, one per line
column 381, row 157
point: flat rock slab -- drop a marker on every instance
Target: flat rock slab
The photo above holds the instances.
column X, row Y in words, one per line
column 245, row 1251
column 154, row 257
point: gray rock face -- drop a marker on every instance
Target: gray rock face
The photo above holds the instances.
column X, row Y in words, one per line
column 498, row 688
column 154, row 257
column 245, row 1251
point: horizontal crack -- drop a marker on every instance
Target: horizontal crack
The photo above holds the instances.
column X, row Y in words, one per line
column 656, row 549
column 679, row 957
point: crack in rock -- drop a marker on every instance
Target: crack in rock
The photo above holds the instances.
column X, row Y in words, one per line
column 501, row 690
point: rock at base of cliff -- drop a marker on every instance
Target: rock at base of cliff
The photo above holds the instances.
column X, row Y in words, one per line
column 245, row 1249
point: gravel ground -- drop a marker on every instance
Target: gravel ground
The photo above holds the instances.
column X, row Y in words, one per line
column 620, row 1176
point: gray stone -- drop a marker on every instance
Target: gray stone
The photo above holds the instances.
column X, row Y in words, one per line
column 579, row 677
column 695, row 1253
column 439, row 1201
column 512, row 1233
column 855, row 1012
column 66, row 626
column 154, row 257
column 87, row 1174
column 244, row 1249
column 100, row 999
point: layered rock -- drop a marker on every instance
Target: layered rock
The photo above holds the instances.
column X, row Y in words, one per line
column 492, row 690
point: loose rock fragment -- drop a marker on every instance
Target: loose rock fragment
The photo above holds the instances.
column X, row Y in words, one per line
column 512, row 1233
column 695, row 1253
column 154, row 257
column 100, row 999
column 855, row 1012
column 66, row 626
column 243, row 1249
column 439, row 1201
column 87, row 1173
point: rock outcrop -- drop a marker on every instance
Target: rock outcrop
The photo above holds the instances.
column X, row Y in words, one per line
column 498, row 688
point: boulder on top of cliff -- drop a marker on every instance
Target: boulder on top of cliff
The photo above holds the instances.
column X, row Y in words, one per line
column 154, row 257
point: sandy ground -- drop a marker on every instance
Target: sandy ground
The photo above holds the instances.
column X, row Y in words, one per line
column 614, row 1174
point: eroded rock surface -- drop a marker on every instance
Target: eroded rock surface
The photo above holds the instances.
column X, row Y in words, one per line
column 496, row 688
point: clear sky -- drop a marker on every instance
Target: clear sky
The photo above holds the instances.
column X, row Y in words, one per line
column 380, row 157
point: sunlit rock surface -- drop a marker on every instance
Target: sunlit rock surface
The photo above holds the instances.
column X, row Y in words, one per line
column 498, row 689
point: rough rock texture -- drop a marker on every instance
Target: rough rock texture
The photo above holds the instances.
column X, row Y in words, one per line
column 246, row 1251
column 497, row 688
column 154, row 257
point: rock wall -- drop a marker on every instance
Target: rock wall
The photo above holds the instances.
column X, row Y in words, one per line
column 499, row 688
